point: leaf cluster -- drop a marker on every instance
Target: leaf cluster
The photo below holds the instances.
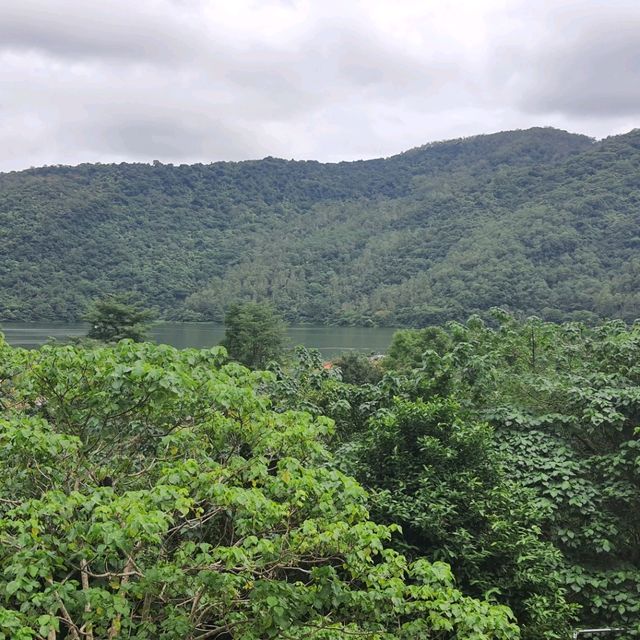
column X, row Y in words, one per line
column 151, row 493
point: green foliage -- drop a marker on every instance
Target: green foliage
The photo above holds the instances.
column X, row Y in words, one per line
column 302, row 383
column 113, row 318
column 408, row 348
column 436, row 472
column 148, row 493
column 538, row 221
column 565, row 404
column 253, row 334
column 356, row 368
column 437, row 475
column 511, row 450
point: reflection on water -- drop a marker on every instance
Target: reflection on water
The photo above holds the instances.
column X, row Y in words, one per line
column 331, row 341
column 33, row 334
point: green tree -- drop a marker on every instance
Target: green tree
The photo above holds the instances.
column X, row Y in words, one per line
column 409, row 346
column 149, row 493
column 564, row 404
column 113, row 318
column 436, row 473
column 356, row 368
column 254, row 334
column 437, row 470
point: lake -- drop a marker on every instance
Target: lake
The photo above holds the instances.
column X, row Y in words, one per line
column 331, row 341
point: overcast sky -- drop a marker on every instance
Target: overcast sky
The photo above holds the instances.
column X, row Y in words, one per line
column 204, row 80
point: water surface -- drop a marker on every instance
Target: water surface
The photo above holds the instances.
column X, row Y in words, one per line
column 331, row 341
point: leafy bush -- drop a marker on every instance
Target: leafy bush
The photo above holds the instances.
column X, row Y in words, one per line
column 152, row 494
column 564, row 401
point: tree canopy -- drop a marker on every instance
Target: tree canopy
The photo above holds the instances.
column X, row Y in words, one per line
column 149, row 493
column 508, row 449
column 254, row 334
column 114, row 318
column 483, row 485
column 538, row 221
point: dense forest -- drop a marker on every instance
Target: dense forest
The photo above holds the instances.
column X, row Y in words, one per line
column 481, row 483
column 538, row 221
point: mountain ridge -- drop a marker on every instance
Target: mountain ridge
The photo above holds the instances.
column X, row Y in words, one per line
column 418, row 148
column 407, row 240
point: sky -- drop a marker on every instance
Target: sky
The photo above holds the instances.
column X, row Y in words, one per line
column 184, row 81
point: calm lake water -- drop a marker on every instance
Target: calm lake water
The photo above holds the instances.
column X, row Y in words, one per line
column 331, row 341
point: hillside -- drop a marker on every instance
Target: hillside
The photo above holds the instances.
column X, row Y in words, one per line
column 538, row 221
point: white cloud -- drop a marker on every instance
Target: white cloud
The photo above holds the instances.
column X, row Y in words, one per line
column 202, row 80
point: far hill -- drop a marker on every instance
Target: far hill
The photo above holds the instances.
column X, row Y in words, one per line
column 539, row 221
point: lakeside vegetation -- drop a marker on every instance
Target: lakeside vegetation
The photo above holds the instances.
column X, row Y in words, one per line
column 537, row 221
column 481, row 482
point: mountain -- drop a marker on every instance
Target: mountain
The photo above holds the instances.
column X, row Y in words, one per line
column 539, row 221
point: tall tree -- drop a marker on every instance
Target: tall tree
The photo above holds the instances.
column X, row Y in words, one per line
column 254, row 334
column 113, row 318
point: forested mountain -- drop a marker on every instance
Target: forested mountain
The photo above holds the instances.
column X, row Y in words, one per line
column 538, row 221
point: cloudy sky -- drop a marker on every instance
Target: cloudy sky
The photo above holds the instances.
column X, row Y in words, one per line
column 203, row 80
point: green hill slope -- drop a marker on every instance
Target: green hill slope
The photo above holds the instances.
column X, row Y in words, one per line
column 539, row 221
